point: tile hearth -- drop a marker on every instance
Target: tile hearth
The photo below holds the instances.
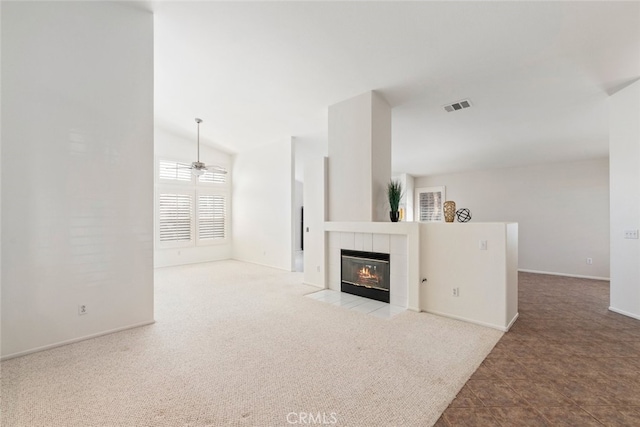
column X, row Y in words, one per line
column 356, row 303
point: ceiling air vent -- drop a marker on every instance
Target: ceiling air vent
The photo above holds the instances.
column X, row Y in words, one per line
column 465, row 103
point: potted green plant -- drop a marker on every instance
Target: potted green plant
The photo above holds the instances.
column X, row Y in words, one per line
column 394, row 192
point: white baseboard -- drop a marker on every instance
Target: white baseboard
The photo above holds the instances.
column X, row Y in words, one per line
column 476, row 322
column 565, row 274
column 74, row 340
column 512, row 321
column 625, row 313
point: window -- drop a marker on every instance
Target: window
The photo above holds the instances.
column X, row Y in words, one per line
column 211, row 216
column 174, row 171
column 214, row 177
column 174, row 217
column 190, row 212
column 428, row 203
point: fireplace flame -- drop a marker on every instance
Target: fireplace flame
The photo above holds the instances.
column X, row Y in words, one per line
column 365, row 275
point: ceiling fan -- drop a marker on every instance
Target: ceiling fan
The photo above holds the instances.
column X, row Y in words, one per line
column 198, row 167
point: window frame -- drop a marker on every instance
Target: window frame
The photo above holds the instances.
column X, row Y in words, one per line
column 194, row 188
column 214, row 184
column 417, row 205
column 165, row 181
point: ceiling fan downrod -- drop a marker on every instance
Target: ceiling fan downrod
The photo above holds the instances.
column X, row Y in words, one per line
column 199, row 168
column 198, row 121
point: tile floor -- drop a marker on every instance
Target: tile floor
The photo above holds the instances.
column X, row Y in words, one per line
column 567, row 361
column 356, row 303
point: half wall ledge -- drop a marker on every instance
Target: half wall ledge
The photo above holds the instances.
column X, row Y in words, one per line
column 471, row 269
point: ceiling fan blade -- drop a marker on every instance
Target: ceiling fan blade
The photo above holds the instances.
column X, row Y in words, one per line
column 217, row 169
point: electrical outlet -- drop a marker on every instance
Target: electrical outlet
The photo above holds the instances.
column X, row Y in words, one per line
column 630, row 234
column 82, row 309
column 318, row 268
column 482, row 244
column 589, row 261
column 456, row 292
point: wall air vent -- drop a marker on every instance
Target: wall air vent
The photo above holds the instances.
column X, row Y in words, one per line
column 465, row 103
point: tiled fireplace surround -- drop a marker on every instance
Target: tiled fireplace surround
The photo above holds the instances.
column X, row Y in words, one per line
column 396, row 245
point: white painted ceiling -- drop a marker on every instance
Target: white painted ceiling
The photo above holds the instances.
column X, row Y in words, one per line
column 538, row 74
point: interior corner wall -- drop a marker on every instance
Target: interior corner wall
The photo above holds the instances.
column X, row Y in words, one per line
column 172, row 146
column 77, row 171
column 562, row 210
column 406, row 202
column 307, row 147
column 380, row 157
column 409, row 196
column 624, row 146
column 262, row 205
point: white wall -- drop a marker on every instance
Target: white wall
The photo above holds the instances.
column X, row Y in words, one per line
column 380, row 157
column 77, row 171
column 450, row 257
column 406, row 202
column 359, row 159
column 262, row 226
column 0, row 192
column 312, row 146
column 171, row 146
column 624, row 146
column 310, row 157
column 562, row 210
column 315, row 214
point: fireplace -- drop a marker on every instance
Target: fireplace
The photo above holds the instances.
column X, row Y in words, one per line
column 365, row 274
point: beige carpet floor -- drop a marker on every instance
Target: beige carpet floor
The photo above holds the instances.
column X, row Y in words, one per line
column 239, row 344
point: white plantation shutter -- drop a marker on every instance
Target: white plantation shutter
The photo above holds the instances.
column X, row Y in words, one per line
column 211, row 216
column 214, row 177
column 190, row 212
column 429, row 206
column 174, row 171
column 174, row 215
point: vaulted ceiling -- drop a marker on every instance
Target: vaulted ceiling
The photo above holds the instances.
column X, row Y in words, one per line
column 538, row 74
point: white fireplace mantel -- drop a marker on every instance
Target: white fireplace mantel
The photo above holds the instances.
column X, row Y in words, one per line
column 405, row 228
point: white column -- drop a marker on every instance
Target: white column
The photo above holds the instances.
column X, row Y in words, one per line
column 359, row 159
